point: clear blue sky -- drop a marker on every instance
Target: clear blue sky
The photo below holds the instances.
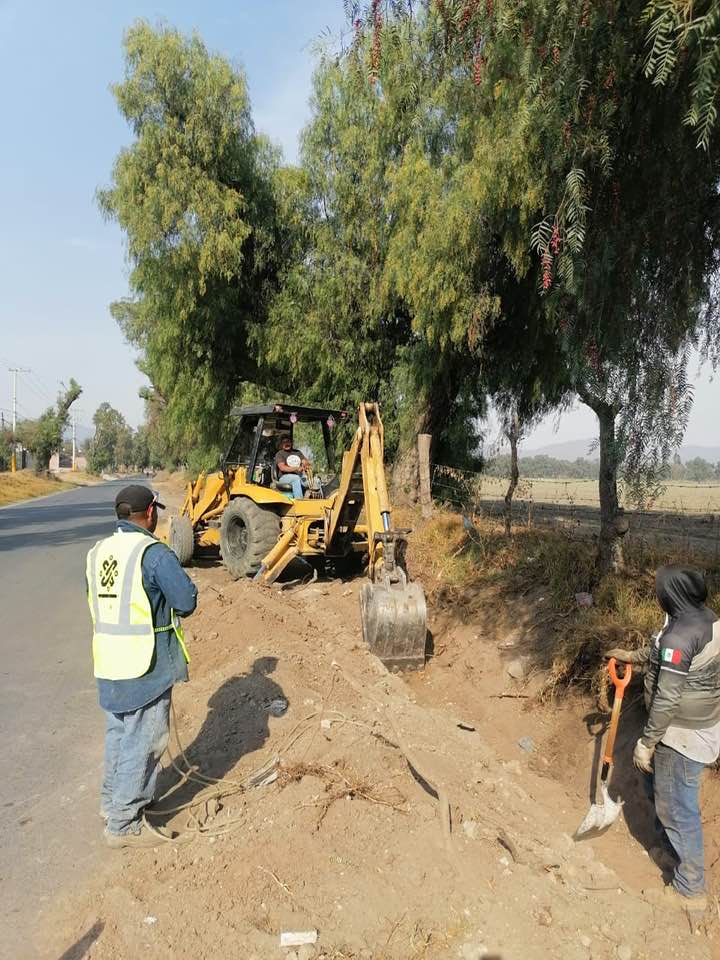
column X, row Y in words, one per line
column 60, row 264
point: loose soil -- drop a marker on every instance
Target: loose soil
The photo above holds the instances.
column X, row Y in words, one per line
column 420, row 816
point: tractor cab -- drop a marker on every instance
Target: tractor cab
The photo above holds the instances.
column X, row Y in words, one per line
column 257, row 437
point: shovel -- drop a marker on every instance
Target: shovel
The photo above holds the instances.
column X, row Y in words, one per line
column 603, row 814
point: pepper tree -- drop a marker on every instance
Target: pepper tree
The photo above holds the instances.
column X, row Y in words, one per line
column 581, row 175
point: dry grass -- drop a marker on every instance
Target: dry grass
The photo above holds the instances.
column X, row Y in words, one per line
column 461, row 564
column 675, row 497
column 341, row 782
column 78, row 478
column 24, row 485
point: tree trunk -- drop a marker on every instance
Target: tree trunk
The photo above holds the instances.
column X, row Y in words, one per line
column 512, row 435
column 613, row 525
column 424, row 443
column 433, row 413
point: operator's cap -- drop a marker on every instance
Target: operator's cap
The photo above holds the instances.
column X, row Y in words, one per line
column 139, row 498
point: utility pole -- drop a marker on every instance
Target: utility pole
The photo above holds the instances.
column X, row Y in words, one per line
column 15, row 371
column 74, row 425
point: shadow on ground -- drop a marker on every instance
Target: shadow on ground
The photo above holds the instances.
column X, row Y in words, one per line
column 236, row 725
column 81, row 947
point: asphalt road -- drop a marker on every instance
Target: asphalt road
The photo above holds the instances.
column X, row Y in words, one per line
column 50, row 723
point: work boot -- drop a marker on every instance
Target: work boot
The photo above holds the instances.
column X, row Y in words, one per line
column 145, row 838
column 670, row 897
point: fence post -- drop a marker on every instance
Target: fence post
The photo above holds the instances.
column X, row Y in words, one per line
column 423, row 442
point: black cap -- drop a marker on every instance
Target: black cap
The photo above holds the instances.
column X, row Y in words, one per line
column 138, row 498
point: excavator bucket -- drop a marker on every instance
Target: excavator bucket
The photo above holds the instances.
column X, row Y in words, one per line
column 394, row 622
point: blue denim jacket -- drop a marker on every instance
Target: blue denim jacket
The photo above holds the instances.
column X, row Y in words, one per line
column 167, row 586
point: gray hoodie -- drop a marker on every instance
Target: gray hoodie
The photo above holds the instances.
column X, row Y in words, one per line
column 682, row 682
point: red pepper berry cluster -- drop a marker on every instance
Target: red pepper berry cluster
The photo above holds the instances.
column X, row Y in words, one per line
column 478, row 67
column 555, row 239
column 592, row 352
column 585, row 15
column 556, row 55
column 467, row 14
column 547, row 262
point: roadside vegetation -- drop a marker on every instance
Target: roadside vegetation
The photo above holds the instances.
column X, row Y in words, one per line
column 469, row 567
column 494, row 203
column 26, row 484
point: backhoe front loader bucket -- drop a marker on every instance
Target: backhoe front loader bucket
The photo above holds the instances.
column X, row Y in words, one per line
column 394, row 621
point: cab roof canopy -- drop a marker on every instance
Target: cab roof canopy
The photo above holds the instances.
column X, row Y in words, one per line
column 286, row 409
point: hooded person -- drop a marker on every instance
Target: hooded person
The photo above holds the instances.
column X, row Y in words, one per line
column 682, row 733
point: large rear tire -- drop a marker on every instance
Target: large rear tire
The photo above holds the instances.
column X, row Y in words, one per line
column 181, row 539
column 247, row 533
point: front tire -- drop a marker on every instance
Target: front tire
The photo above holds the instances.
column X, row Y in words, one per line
column 181, row 539
column 247, row 534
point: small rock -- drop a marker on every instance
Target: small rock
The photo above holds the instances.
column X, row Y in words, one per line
column 585, row 941
column 516, row 669
column 543, row 916
column 306, row 952
column 527, row 744
column 473, row 951
column 584, row 599
column 150, row 920
column 624, row 952
column 470, row 829
column 297, row 938
column 277, row 707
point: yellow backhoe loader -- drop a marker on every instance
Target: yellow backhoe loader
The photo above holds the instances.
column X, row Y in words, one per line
column 245, row 510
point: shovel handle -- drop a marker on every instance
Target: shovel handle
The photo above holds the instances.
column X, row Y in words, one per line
column 620, row 683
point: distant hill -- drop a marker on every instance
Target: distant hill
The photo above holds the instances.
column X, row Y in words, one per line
column 572, row 449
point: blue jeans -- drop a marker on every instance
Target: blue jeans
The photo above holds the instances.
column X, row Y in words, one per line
column 293, row 482
column 134, row 743
column 676, row 785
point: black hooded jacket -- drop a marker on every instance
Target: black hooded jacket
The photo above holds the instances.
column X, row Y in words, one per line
column 682, row 683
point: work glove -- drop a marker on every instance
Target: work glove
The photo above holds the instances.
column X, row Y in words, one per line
column 643, row 756
column 625, row 656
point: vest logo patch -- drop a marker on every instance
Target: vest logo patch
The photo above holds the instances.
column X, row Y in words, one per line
column 109, row 572
column 671, row 656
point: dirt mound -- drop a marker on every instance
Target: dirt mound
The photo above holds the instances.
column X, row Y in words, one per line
column 405, row 820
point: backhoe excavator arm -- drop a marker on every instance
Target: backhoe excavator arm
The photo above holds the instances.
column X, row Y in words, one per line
column 392, row 609
column 362, row 484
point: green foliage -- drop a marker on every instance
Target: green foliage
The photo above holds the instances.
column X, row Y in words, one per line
column 544, row 467
column 682, row 30
column 5, row 449
column 112, row 440
column 193, row 196
column 555, row 180
column 43, row 437
column 699, row 470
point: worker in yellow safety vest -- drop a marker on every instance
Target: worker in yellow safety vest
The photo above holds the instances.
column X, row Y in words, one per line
column 137, row 593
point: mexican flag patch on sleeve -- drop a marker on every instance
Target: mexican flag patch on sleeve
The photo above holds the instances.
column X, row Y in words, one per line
column 671, row 656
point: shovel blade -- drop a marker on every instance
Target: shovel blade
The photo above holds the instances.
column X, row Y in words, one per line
column 600, row 815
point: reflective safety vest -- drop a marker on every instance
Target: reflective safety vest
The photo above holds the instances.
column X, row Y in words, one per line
column 123, row 629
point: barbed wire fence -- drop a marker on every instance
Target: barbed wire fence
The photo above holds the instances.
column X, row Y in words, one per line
column 687, row 517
